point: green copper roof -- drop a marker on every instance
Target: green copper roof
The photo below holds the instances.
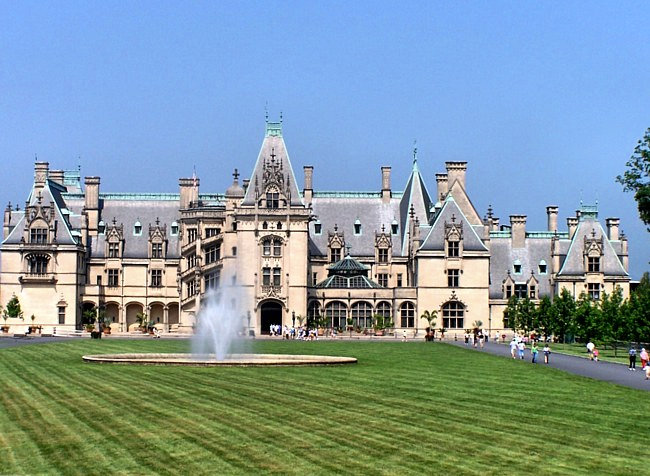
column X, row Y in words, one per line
column 348, row 266
column 352, row 282
column 274, row 129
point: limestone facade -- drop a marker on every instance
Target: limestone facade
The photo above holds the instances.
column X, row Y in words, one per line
column 297, row 255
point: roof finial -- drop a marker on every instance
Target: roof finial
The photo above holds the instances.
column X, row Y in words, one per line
column 415, row 150
column 266, row 111
column 280, row 117
column 235, row 175
column 347, row 250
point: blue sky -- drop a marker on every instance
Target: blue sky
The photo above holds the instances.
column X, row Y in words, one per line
column 545, row 100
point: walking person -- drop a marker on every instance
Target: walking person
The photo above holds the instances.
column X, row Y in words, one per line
column 632, row 354
column 596, row 354
column 547, row 353
column 644, row 358
column 590, row 350
column 513, row 348
column 521, row 346
column 466, row 338
column 534, row 350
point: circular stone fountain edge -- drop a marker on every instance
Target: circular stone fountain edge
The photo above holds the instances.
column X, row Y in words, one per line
column 234, row 360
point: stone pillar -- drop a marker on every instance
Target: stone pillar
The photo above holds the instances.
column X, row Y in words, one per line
column 386, row 192
column 518, row 228
column 91, row 203
column 166, row 318
column 309, row 186
column 612, row 228
column 189, row 191
column 572, row 224
column 7, row 221
column 456, row 172
column 40, row 175
column 442, row 182
column 551, row 213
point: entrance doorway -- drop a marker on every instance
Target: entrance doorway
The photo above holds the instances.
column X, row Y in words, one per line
column 271, row 313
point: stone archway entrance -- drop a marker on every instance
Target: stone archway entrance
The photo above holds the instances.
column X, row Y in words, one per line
column 270, row 313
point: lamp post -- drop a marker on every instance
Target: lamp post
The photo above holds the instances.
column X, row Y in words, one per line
column 293, row 318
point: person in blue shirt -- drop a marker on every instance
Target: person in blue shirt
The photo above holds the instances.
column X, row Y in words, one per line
column 632, row 354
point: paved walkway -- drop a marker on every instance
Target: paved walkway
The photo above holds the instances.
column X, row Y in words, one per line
column 16, row 341
column 607, row 371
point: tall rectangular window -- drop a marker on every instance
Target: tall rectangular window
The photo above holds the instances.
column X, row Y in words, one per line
column 38, row 235
column 277, row 248
column 99, row 280
column 593, row 289
column 114, row 250
column 382, row 279
column 593, row 264
column 453, row 249
column 266, row 276
column 399, row 280
column 532, row 292
column 212, row 280
column 272, row 200
column 191, row 288
column 383, row 255
column 156, row 250
column 213, row 254
column 61, row 314
column 277, row 278
column 156, row 278
column 335, row 254
column 314, row 279
column 191, row 261
column 453, row 277
column 192, row 235
column 113, row 278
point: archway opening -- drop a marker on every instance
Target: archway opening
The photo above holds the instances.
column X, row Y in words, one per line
column 271, row 313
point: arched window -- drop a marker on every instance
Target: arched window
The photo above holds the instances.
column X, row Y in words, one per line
column 272, row 246
column 384, row 309
column 101, row 227
column 137, row 228
column 453, row 315
column 174, row 229
column 357, row 227
column 407, row 314
column 542, row 267
column 336, row 313
column 37, row 264
column 516, row 266
column 361, row 314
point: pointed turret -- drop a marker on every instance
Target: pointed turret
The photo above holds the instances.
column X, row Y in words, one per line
column 273, row 181
column 416, row 196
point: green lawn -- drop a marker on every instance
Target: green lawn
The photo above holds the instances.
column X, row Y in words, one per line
column 404, row 408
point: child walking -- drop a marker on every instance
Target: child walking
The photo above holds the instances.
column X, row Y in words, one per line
column 534, row 350
column 547, row 353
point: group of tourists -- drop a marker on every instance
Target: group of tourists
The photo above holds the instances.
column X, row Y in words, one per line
column 645, row 364
column 286, row 332
column 478, row 339
column 518, row 349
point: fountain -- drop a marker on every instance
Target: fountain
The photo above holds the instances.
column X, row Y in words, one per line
column 217, row 331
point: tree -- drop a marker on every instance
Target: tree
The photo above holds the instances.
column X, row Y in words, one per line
column 13, row 308
column 588, row 322
column 563, row 313
column 511, row 311
column 612, row 317
column 545, row 317
column 637, row 312
column 637, row 177
column 431, row 317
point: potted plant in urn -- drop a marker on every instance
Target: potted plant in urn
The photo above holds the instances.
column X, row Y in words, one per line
column 381, row 323
column 12, row 310
column 141, row 319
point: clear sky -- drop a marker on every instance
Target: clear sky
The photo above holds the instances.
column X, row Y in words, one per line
column 545, row 100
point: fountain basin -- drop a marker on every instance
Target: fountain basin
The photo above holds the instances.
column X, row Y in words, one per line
column 209, row 360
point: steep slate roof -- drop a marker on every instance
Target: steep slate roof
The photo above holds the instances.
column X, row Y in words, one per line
column 344, row 211
column 435, row 239
column 273, row 144
column 50, row 194
column 574, row 262
column 415, row 194
column 503, row 256
column 128, row 212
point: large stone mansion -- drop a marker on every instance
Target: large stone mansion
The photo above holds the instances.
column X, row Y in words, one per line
column 296, row 252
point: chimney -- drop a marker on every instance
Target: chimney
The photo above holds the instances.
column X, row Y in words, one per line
column 40, row 175
column 57, row 176
column 612, row 228
column 456, row 173
column 495, row 224
column 91, row 205
column 572, row 224
column 518, row 228
column 551, row 213
column 441, row 180
column 7, row 222
column 385, row 184
column 308, row 191
column 189, row 188
column 624, row 253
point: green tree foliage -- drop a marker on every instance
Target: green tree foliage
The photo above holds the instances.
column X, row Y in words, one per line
column 612, row 316
column 431, row 317
column 13, row 308
column 587, row 319
column 637, row 177
column 637, row 312
column 522, row 314
column 545, row 316
column 564, row 309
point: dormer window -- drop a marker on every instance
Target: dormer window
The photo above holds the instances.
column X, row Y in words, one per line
column 542, row 267
column 318, row 228
column 156, row 250
column 394, row 227
column 114, row 249
column 38, row 236
column 272, row 200
column 453, row 248
column 593, row 264
column 101, row 228
column 335, row 255
column 357, row 227
column 174, row 229
column 517, row 267
column 382, row 255
column 137, row 229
